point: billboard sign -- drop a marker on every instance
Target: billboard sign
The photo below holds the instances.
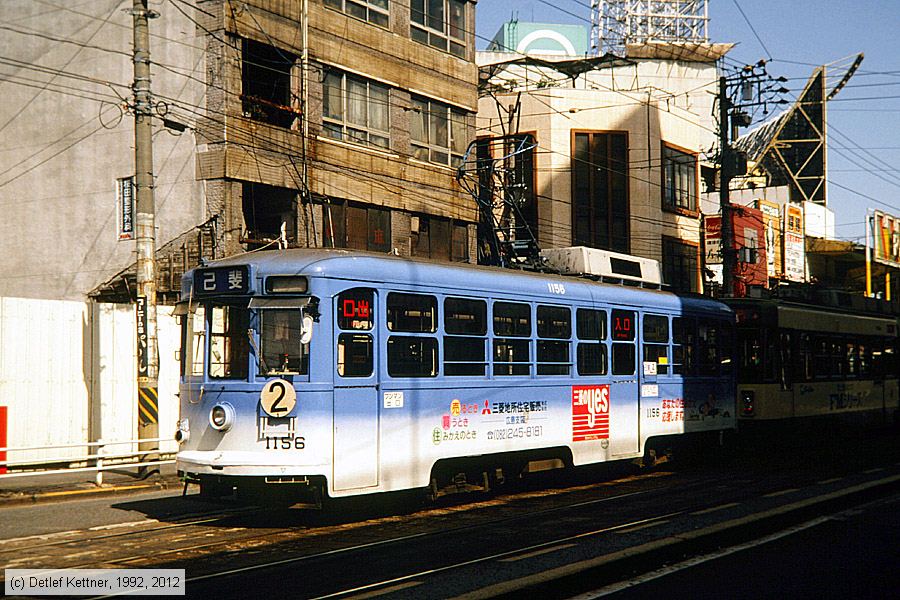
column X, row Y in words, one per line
column 887, row 239
column 794, row 244
column 712, row 239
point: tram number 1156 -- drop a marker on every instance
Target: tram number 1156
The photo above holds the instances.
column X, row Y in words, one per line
column 285, row 443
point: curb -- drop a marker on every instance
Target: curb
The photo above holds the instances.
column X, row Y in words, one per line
column 59, row 494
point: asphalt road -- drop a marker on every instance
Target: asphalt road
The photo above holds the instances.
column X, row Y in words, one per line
column 853, row 554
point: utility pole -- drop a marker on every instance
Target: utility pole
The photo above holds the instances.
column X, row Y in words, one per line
column 725, row 173
column 756, row 89
column 145, row 238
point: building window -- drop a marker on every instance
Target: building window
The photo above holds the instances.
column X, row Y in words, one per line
column 359, row 227
column 679, row 180
column 440, row 239
column 600, row 191
column 680, row 265
column 269, row 212
column 373, row 11
column 266, row 84
column 522, row 175
column 356, row 110
column 440, row 24
column 437, row 132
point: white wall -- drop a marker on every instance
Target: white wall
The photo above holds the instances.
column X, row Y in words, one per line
column 67, row 374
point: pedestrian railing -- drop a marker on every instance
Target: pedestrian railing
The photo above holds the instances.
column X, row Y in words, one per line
column 100, row 456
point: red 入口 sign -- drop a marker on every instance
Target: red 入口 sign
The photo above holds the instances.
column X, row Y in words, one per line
column 590, row 412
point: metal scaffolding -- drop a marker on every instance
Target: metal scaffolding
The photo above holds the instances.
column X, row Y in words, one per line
column 615, row 23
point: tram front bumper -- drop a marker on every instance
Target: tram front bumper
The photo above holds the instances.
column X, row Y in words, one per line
column 243, row 464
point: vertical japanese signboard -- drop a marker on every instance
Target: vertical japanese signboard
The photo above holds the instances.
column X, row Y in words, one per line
column 772, row 225
column 143, row 348
column 794, row 244
column 887, row 239
column 125, row 208
column 712, row 239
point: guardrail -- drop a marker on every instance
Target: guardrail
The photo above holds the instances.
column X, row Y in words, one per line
column 98, row 454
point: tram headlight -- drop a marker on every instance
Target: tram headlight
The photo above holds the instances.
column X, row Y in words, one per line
column 183, row 432
column 748, row 402
column 221, row 417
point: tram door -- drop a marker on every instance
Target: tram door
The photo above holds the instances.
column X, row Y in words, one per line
column 624, row 408
column 355, row 391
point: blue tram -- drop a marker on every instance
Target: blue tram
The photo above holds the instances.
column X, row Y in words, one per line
column 333, row 372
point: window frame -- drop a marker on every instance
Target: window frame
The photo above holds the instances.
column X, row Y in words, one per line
column 673, row 157
column 424, row 32
column 431, row 112
column 668, row 267
column 368, row 5
column 601, row 202
column 331, row 124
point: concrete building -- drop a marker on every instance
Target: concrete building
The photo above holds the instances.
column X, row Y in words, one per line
column 313, row 123
column 277, row 122
column 620, row 143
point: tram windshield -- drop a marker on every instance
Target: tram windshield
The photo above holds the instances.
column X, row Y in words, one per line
column 284, row 342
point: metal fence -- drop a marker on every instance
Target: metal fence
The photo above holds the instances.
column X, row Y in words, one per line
column 100, row 456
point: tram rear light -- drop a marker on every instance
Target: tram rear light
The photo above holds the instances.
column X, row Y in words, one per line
column 221, row 417
column 748, row 402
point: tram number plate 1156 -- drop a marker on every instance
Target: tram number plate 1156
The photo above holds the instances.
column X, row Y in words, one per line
column 285, row 443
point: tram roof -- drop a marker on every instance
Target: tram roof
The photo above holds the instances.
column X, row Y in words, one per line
column 376, row 268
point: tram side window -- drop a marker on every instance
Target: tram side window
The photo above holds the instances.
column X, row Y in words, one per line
column 656, row 342
column 889, row 360
column 623, row 327
column 409, row 356
column 354, row 355
column 415, row 313
column 751, row 353
column 512, row 356
column 590, row 327
column 708, row 342
column 465, row 325
column 193, row 332
column 555, row 323
column 684, row 336
column 279, row 343
column 412, row 356
column 229, row 347
column 821, row 357
column 805, row 351
column 355, row 351
column 726, row 346
column 852, row 354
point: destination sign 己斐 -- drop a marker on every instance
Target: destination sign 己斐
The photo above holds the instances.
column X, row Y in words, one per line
column 222, row 280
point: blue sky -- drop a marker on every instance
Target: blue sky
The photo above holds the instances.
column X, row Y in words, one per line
column 863, row 119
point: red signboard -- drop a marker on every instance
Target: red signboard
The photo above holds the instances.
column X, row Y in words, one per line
column 590, row 412
column 3, row 412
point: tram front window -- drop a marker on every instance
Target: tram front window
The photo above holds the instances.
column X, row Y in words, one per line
column 281, row 348
column 229, row 347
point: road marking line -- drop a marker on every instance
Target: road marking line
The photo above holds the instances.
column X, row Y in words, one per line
column 639, row 527
column 827, row 481
column 715, row 508
column 875, row 470
column 537, row 553
column 387, row 590
column 699, row 560
column 781, row 493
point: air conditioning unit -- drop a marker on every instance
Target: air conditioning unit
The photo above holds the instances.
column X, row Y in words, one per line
column 604, row 264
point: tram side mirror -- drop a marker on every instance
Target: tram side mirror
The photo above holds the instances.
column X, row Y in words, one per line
column 306, row 329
